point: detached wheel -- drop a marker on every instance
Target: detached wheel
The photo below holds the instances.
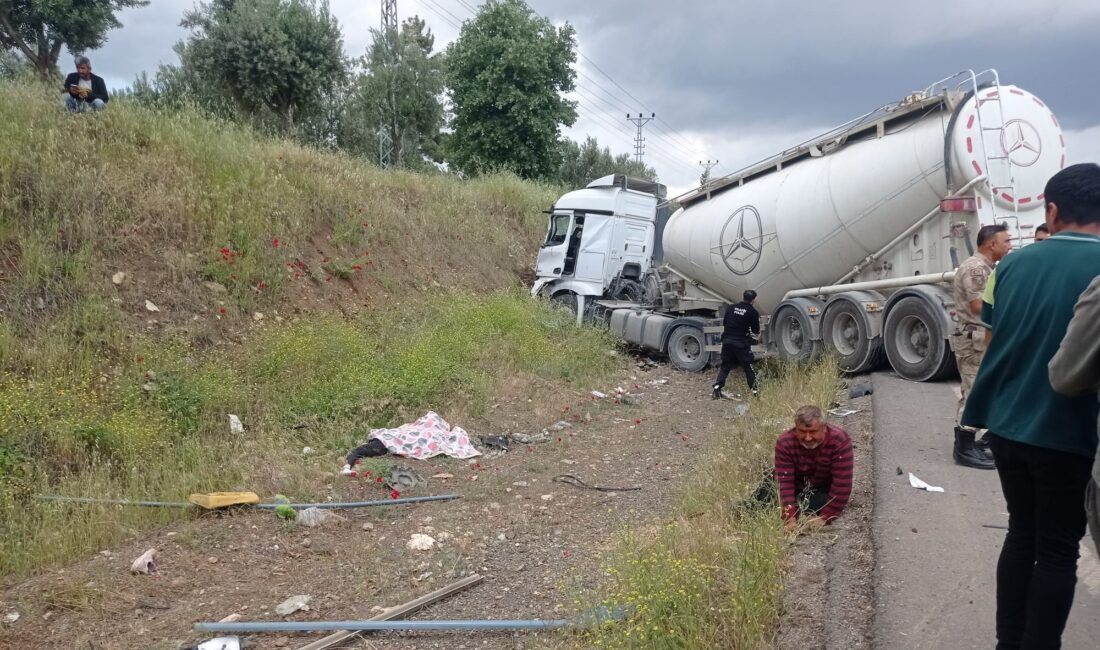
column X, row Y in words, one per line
column 687, row 348
column 793, row 335
column 844, row 330
column 916, row 344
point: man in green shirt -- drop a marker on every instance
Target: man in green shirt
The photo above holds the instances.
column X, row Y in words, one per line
column 1043, row 442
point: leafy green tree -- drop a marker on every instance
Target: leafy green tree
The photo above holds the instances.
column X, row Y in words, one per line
column 38, row 29
column 583, row 163
column 507, row 72
column 265, row 57
column 398, row 91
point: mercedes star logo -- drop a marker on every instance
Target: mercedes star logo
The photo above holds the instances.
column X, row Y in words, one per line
column 1021, row 143
column 742, row 241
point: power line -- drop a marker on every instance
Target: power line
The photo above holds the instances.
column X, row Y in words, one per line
column 439, row 14
column 445, row 10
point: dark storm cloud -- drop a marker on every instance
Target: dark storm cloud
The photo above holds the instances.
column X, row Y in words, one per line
column 706, row 65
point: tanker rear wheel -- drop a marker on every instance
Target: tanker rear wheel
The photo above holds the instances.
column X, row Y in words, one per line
column 916, row 344
column 844, row 330
column 687, row 348
column 792, row 334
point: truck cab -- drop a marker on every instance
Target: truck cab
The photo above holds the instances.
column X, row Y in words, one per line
column 600, row 242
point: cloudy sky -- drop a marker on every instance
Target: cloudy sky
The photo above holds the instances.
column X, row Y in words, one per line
column 738, row 81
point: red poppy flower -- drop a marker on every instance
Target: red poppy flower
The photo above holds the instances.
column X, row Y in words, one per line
column 394, row 494
column 275, row 243
column 262, row 285
column 328, row 279
column 297, row 276
column 357, row 268
column 530, row 449
column 565, row 553
column 477, row 465
column 221, row 310
column 637, row 421
column 378, row 480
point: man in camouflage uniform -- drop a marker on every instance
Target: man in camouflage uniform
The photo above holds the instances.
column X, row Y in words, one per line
column 968, row 340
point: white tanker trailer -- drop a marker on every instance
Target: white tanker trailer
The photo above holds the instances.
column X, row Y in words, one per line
column 850, row 239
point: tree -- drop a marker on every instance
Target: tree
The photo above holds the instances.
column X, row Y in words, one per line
column 277, row 57
column 399, row 91
column 583, row 163
column 507, row 72
column 38, row 29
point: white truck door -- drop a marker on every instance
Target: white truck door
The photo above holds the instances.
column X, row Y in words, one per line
column 551, row 259
column 596, row 248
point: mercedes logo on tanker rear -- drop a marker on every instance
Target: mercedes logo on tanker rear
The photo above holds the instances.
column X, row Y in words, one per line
column 742, row 241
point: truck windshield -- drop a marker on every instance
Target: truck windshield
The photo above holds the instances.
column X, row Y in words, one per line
column 559, row 229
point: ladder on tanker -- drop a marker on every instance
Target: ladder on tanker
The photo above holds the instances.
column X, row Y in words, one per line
column 999, row 171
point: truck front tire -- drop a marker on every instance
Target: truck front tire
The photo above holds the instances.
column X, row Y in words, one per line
column 792, row 335
column 687, row 348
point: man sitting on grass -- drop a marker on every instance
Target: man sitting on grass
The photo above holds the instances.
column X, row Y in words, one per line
column 813, row 470
column 84, row 89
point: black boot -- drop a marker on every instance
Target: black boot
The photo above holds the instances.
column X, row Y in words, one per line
column 966, row 454
column 982, row 445
column 717, row 392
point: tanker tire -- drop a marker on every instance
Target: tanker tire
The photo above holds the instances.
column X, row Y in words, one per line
column 916, row 344
column 687, row 349
column 855, row 352
column 790, row 332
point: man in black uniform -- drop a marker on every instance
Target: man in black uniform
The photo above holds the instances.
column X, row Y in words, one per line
column 742, row 325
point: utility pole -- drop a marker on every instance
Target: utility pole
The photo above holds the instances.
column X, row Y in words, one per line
column 707, row 166
column 639, row 139
column 389, row 153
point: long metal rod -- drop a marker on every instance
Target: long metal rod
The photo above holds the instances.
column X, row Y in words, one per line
column 381, row 626
column 261, row 506
column 891, row 283
column 904, row 235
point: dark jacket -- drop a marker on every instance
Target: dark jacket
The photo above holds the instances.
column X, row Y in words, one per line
column 99, row 87
column 742, row 323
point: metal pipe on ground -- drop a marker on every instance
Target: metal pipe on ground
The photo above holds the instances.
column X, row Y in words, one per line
column 261, row 506
column 381, row 626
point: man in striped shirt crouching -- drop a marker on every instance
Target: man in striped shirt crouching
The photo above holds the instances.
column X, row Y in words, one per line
column 813, row 469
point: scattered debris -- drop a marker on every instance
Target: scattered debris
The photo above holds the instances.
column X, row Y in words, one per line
column 215, row 287
column 213, row 559
column 899, row 471
column 495, row 442
column 367, row 526
column 859, row 390
column 443, row 475
column 232, row 618
column 149, row 306
column 369, row 449
column 403, row 479
column 293, row 604
column 221, row 643
column 257, row 316
column 146, row 564
column 118, row 278
column 420, row 542
column 307, row 451
column 842, row 412
column 569, row 479
column 314, row 517
column 921, row 485
column 560, row 425
column 598, row 395
column 235, row 424
column 285, row 512
column 11, row 618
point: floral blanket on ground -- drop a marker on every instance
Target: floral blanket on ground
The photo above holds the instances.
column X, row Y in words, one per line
column 429, row 436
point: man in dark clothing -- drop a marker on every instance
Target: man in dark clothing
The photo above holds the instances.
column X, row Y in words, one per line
column 84, row 89
column 1043, row 442
column 742, row 325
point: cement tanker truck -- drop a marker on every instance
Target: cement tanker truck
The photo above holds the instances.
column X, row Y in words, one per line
column 850, row 239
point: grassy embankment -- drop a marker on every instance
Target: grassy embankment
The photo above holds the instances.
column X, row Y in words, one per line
column 711, row 577
column 382, row 294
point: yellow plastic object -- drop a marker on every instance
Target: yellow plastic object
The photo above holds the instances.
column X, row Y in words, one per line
column 215, row 500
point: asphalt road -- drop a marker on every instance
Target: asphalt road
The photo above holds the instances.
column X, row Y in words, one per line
column 935, row 573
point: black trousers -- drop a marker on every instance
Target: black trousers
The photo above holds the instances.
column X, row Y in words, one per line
column 810, row 501
column 736, row 354
column 1037, row 572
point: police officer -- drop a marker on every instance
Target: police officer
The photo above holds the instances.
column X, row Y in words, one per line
column 968, row 340
column 741, row 325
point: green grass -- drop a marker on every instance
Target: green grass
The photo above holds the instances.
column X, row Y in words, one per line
column 712, row 576
column 399, row 292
